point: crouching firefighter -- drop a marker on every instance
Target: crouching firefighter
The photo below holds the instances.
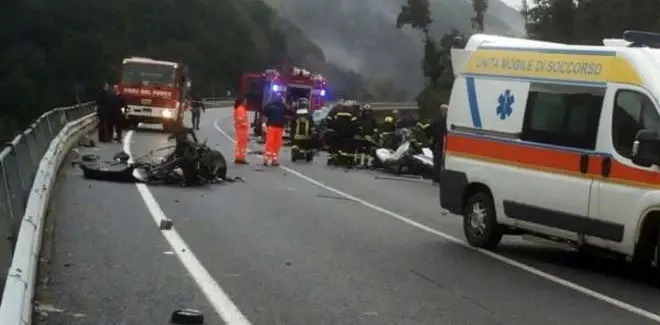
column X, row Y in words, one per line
column 387, row 137
column 342, row 147
column 302, row 143
column 368, row 131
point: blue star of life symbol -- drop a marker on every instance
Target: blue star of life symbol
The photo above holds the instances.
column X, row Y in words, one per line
column 505, row 107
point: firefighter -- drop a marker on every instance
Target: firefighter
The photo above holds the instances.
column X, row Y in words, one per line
column 367, row 132
column 242, row 129
column 301, row 134
column 196, row 109
column 422, row 133
column 344, row 124
column 275, row 113
column 387, row 133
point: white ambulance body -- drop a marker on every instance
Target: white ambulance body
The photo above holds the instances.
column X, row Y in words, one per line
column 544, row 139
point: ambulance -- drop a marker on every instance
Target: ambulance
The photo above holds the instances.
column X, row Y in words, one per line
column 557, row 141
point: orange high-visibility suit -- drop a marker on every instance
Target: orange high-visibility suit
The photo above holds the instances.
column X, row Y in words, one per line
column 276, row 120
column 242, row 126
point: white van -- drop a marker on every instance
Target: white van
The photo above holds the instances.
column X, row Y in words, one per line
column 557, row 141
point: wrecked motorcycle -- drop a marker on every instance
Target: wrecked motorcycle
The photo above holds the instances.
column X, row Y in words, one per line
column 189, row 163
column 408, row 158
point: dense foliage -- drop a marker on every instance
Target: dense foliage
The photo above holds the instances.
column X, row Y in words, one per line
column 60, row 52
column 436, row 62
column 589, row 21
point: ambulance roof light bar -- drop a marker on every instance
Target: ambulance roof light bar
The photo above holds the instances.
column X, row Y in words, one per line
column 642, row 39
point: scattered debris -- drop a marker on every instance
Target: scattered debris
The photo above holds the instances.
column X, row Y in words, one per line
column 166, row 224
column 86, row 142
column 48, row 309
column 121, row 157
column 334, row 197
column 187, row 317
column 168, row 253
column 412, row 179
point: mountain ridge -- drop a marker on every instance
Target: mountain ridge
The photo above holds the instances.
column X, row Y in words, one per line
column 362, row 35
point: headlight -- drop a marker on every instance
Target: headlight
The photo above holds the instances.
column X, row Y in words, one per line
column 167, row 113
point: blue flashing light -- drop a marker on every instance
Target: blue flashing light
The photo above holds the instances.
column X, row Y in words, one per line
column 323, row 92
column 275, row 88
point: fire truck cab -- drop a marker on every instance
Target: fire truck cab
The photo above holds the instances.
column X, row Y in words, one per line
column 155, row 91
column 294, row 84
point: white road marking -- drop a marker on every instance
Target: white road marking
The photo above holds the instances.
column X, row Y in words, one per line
column 220, row 301
column 563, row 282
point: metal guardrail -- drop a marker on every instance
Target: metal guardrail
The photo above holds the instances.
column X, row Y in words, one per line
column 19, row 161
column 223, row 101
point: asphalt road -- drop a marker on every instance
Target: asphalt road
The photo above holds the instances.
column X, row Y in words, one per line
column 306, row 244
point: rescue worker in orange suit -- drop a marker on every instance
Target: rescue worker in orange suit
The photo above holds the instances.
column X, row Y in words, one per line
column 242, row 129
column 275, row 113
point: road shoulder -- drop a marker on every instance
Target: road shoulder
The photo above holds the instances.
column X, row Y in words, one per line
column 103, row 259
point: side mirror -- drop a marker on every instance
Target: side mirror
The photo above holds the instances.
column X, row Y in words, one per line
column 646, row 148
column 182, row 80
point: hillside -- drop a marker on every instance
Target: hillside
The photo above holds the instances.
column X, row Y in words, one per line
column 361, row 35
column 56, row 51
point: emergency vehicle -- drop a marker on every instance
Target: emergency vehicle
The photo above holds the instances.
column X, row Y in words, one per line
column 292, row 83
column 154, row 90
column 557, row 141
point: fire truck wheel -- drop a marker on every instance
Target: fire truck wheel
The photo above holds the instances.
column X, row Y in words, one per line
column 132, row 124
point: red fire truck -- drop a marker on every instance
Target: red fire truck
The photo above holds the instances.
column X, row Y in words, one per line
column 291, row 83
column 155, row 91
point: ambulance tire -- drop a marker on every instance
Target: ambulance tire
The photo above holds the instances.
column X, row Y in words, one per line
column 309, row 156
column 487, row 235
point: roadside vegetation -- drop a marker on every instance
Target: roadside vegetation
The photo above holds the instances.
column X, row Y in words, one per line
column 568, row 21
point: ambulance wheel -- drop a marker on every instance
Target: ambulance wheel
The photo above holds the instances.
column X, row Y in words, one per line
column 480, row 223
column 310, row 156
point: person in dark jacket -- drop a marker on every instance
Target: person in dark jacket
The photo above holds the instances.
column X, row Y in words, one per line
column 197, row 107
column 103, row 112
column 368, row 132
column 438, row 129
column 275, row 113
column 117, row 107
column 344, row 124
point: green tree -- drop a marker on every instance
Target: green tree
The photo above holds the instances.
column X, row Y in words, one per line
column 436, row 64
column 55, row 53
